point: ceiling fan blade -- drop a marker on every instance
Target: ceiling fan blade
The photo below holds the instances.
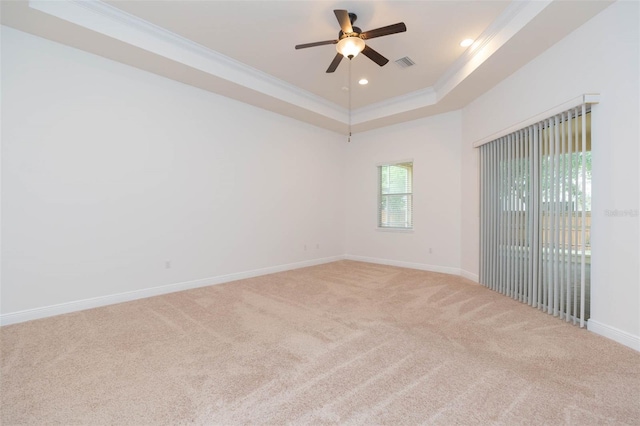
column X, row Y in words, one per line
column 374, row 56
column 379, row 32
column 335, row 63
column 344, row 21
column 317, row 43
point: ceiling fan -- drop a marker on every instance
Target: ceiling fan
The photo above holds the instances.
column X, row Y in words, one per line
column 351, row 39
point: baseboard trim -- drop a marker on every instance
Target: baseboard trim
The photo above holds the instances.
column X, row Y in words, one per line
column 470, row 276
column 96, row 302
column 410, row 265
column 615, row 334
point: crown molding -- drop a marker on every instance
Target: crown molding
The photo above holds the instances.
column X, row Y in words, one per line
column 513, row 19
column 509, row 22
column 108, row 20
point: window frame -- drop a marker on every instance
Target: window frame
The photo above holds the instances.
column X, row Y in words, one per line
column 379, row 225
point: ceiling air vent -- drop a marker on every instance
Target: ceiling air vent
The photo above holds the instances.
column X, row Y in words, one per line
column 405, row 62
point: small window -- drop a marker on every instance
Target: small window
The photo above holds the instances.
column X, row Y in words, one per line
column 395, row 192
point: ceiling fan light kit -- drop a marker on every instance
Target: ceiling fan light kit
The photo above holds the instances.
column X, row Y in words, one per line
column 351, row 40
column 349, row 47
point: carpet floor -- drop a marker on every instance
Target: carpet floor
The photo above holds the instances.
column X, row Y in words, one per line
column 341, row 343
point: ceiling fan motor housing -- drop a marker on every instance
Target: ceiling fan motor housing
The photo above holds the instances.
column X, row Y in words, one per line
column 356, row 33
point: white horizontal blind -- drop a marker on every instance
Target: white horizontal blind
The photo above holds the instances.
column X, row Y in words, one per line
column 535, row 214
column 395, row 206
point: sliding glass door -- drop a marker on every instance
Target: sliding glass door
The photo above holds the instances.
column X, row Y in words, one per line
column 536, row 214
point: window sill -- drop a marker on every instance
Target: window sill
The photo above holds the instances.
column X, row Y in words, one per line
column 399, row 230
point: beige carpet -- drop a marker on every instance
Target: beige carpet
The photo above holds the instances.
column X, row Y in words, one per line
column 342, row 343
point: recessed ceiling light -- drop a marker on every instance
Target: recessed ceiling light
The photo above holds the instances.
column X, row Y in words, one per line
column 363, row 81
column 466, row 42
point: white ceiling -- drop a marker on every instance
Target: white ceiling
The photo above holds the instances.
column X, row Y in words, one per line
column 245, row 49
column 263, row 34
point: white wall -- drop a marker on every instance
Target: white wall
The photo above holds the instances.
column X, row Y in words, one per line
column 109, row 171
column 434, row 145
column 602, row 57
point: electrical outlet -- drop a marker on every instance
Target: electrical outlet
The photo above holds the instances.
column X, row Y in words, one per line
column 305, row 247
column 167, row 264
column 430, row 250
column 317, row 246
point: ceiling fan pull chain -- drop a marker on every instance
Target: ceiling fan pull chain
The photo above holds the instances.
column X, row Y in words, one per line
column 349, row 138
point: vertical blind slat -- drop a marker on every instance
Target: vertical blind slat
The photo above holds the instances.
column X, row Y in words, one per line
column 500, row 218
column 576, row 290
column 584, row 212
column 509, row 209
column 556, row 213
column 518, row 220
column 563, row 214
column 546, row 255
column 570, row 213
column 535, row 206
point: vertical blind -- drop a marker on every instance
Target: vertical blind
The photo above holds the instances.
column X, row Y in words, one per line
column 535, row 205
